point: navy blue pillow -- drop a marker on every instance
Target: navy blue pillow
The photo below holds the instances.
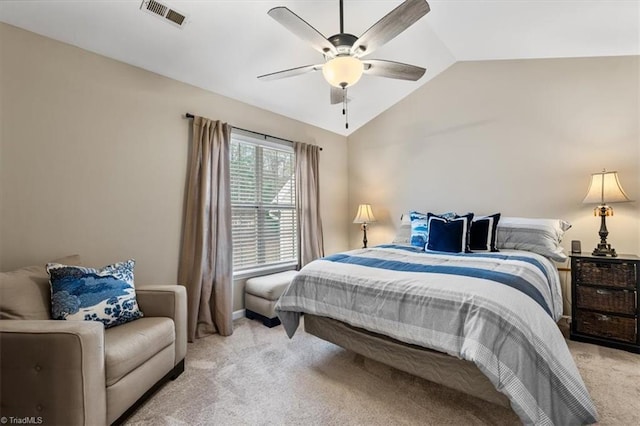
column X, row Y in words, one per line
column 419, row 226
column 483, row 233
column 448, row 235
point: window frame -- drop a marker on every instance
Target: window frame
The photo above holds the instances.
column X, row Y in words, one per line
column 280, row 145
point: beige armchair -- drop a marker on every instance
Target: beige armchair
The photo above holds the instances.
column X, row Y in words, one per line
column 77, row 372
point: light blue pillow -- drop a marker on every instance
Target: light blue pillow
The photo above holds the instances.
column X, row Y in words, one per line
column 86, row 294
column 420, row 227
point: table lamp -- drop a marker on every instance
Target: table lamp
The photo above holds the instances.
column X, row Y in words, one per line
column 364, row 216
column 604, row 188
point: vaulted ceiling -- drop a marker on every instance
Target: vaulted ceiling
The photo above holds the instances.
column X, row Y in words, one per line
column 225, row 45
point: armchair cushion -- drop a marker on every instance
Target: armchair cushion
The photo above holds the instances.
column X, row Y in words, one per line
column 25, row 293
column 130, row 345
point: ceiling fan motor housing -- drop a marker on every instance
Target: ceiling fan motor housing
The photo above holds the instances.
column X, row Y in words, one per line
column 343, row 43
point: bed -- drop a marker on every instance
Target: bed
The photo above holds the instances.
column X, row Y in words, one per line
column 481, row 323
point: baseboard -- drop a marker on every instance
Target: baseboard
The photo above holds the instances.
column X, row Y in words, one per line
column 238, row 314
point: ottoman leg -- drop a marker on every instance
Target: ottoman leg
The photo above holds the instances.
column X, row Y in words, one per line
column 268, row 322
column 271, row 322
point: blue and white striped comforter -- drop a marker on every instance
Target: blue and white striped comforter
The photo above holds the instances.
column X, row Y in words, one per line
column 498, row 310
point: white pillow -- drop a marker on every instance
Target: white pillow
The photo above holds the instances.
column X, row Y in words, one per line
column 403, row 236
column 542, row 236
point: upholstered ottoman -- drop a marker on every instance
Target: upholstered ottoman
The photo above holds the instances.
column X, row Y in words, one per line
column 262, row 293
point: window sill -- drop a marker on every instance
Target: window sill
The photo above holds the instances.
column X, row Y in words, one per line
column 265, row 270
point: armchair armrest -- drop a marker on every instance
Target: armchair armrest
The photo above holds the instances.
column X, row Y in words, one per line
column 167, row 301
column 53, row 370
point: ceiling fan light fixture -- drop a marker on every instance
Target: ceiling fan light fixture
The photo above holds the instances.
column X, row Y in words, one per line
column 343, row 71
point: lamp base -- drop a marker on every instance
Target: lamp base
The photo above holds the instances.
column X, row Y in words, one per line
column 604, row 249
column 364, row 240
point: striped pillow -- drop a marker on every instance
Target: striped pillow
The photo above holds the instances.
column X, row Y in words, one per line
column 542, row 236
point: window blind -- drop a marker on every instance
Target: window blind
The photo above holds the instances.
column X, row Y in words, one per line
column 264, row 225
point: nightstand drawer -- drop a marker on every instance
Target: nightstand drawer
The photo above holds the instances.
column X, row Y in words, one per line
column 617, row 301
column 609, row 326
column 621, row 274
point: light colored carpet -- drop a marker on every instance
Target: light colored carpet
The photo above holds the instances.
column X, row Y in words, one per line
column 258, row 376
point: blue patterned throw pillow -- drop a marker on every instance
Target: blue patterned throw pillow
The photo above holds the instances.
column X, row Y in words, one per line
column 106, row 295
column 418, row 229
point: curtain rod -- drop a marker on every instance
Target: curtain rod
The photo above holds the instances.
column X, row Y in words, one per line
column 189, row 115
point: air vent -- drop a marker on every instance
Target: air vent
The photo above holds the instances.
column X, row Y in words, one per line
column 164, row 12
column 175, row 17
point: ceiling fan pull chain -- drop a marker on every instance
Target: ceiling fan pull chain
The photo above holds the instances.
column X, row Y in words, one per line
column 345, row 108
column 344, row 101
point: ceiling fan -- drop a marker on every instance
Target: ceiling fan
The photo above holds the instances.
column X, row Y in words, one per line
column 343, row 52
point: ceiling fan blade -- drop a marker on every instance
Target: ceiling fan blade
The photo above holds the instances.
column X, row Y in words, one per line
column 302, row 29
column 289, row 73
column 392, row 69
column 395, row 22
column 337, row 95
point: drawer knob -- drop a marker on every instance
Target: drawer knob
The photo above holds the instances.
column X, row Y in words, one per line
column 603, row 318
column 603, row 291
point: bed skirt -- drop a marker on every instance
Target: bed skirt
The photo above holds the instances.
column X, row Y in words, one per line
column 431, row 365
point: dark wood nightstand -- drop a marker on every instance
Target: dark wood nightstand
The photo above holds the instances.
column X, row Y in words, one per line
column 605, row 304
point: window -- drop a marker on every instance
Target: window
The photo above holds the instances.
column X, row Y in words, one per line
column 263, row 213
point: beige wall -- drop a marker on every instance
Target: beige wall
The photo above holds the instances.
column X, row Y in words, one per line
column 519, row 137
column 93, row 158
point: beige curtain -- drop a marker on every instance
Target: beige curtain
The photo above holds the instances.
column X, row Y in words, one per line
column 205, row 260
column 310, row 240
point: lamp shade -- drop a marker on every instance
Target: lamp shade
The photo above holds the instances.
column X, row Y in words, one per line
column 342, row 71
column 605, row 188
column 364, row 215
